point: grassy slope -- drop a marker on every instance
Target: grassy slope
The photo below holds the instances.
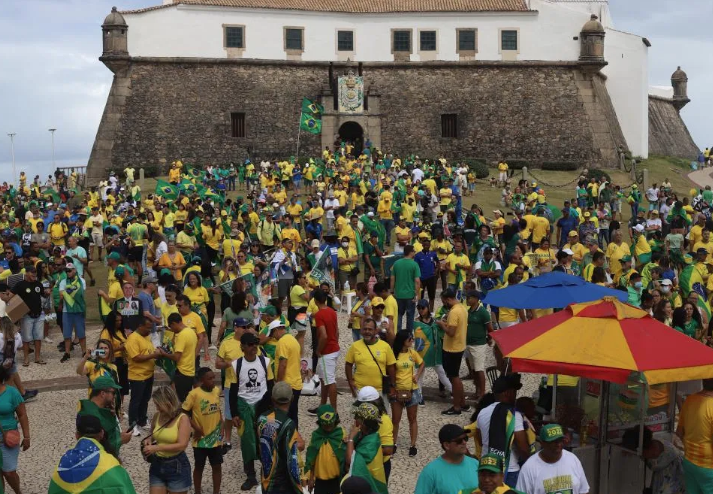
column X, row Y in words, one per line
column 660, row 168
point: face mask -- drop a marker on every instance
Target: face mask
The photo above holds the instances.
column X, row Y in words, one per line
column 638, row 284
column 665, row 289
column 345, row 244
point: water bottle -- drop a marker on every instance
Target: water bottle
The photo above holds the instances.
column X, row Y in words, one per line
column 346, row 286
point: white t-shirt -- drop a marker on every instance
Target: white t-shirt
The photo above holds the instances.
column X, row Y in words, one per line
column 565, row 476
column 252, row 381
column 417, row 174
column 97, row 224
column 18, row 343
column 484, row 427
column 497, row 267
column 656, row 222
column 331, row 203
column 652, row 194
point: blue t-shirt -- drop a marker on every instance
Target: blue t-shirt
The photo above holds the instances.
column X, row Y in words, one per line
column 148, row 305
column 427, row 262
column 10, row 399
column 441, row 477
column 567, row 225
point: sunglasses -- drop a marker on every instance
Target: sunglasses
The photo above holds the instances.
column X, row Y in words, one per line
column 459, row 440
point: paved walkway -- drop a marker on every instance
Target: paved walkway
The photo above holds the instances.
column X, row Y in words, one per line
column 702, row 177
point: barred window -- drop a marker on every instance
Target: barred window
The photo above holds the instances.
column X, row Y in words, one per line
column 234, row 37
column 428, row 40
column 449, row 125
column 345, row 40
column 402, row 41
column 293, row 39
column 237, row 125
column 508, row 40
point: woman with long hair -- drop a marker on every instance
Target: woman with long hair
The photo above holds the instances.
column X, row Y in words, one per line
column 546, row 257
column 113, row 331
column 12, row 414
column 686, row 320
column 172, row 260
column 238, row 308
column 212, row 234
column 408, row 395
column 170, row 470
column 663, row 312
column 97, row 363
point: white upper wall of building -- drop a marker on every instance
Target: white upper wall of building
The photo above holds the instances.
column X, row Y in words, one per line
column 545, row 33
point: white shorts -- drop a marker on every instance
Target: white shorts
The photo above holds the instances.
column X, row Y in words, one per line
column 98, row 239
column 327, row 368
column 503, row 176
column 476, row 356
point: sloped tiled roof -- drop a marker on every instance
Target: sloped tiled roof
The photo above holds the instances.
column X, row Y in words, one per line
column 360, row 6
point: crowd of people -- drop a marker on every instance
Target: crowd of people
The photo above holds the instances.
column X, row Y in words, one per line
column 218, row 290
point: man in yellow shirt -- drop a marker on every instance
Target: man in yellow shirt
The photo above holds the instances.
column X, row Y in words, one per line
column 230, row 350
column 288, row 357
column 185, row 342
column 540, row 228
column 457, row 265
column 705, row 243
column 576, row 247
column 58, row 231
column 295, row 212
column 288, row 231
column 141, row 357
column 696, row 233
column 455, row 329
column 194, row 322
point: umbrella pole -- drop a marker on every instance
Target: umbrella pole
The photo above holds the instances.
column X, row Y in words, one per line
column 602, row 447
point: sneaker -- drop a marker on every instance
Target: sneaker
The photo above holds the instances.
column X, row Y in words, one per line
column 422, row 403
column 92, row 282
column 226, row 447
column 65, row 357
column 136, row 431
column 212, row 347
column 249, row 483
column 30, row 394
column 451, row 411
column 465, row 408
column 412, row 451
column 48, row 340
column 312, row 411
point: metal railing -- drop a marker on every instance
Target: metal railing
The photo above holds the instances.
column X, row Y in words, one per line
column 81, row 173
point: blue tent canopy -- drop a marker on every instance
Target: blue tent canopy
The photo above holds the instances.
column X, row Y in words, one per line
column 550, row 291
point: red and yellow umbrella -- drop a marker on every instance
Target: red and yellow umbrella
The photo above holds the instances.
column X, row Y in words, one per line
column 608, row 340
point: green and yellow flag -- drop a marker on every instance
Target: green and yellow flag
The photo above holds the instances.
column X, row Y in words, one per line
column 166, row 190
column 51, row 194
column 311, row 108
column 89, row 469
column 368, row 463
column 310, row 123
column 195, row 173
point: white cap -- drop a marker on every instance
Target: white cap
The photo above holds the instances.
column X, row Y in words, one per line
column 568, row 252
column 639, row 228
column 370, row 214
column 368, row 393
column 70, row 266
column 275, row 324
column 315, row 243
column 666, row 282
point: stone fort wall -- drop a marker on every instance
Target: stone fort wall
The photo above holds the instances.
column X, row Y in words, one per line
column 162, row 109
column 668, row 134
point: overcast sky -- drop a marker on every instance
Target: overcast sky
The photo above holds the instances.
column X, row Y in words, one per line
column 50, row 76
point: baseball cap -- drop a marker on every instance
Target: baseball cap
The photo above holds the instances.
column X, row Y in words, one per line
column 69, row 265
column 491, row 463
column 506, row 383
column 568, row 252
column 315, row 243
column 699, row 251
column 573, row 233
column 275, row 324
column 114, row 256
column 449, row 432
column 587, row 214
column 326, row 414
column 367, row 411
column 270, row 310
column 626, row 259
column 666, row 282
column 104, row 382
column 88, row 424
column 640, row 228
column 282, row 393
column 241, row 322
column 249, row 339
column 376, row 301
column 551, row 433
column 368, row 393
column 150, row 279
column 423, row 303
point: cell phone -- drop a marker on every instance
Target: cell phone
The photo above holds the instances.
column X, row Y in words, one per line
column 99, row 352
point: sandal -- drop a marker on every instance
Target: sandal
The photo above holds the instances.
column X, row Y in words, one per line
column 25, row 364
column 41, row 362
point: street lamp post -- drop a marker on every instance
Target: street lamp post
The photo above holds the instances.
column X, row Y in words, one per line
column 52, row 132
column 12, row 151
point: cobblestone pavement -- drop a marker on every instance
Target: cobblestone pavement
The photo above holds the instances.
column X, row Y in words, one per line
column 52, row 426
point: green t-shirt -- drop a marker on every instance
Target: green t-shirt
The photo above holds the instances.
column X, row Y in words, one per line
column 405, row 271
column 477, row 322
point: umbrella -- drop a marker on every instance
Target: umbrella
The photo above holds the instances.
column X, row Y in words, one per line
column 607, row 340
column 550, row 290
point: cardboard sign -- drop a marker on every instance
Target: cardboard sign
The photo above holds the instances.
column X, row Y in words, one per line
column 16, row 308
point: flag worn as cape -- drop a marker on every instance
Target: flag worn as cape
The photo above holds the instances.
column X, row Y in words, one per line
column 333, row 440
column 691, row 280
column 166, row 190
column 374, row 226
column 277, row 431
column 87, row 468
column 424, row 342
column 368, row 463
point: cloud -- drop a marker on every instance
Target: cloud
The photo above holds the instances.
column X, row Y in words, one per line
column 51, row 76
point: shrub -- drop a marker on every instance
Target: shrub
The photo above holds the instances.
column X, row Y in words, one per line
column 560, row 166
column 518, row 164
column 476, row 165
column 598, row 174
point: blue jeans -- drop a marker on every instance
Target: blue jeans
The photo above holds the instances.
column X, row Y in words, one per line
column 388, row 226
column 408, row 307
column 511, row 479
column 139, row 403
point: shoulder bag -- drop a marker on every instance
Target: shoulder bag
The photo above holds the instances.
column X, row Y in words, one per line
column 385, row 381
column 152, row 457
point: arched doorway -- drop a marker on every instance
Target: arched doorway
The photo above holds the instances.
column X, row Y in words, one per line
column 352, row 132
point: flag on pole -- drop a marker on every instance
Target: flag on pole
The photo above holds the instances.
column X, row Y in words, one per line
column 51, row 194
column 312, row 108
column 309, row 123
column 195, row 173
column 166, row 190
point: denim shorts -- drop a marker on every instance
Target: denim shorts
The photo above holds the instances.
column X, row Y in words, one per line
column 32, row 328
column 173, row 473
column 9, row 457
column 226, row 413
column 416, row 398
column 72, row 320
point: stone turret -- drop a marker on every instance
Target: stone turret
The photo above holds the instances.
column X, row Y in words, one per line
column 115, row 32
column 679, row 81
column 591, row 56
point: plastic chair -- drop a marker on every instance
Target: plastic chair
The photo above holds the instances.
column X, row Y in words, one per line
column 493, row 374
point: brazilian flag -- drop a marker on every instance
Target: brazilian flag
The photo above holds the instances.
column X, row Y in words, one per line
column 89, row 469
column 166, row 190
column 368, row 463
column 309, row 123
column 195, row 173
column 51, row 194
column 187, row 186
column 312, row 108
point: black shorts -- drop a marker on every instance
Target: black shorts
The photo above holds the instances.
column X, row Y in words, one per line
column 429, row 286
column 213, row 455
column 183, row 384
column 284, row 287
column 136, row 254
column 451, row 363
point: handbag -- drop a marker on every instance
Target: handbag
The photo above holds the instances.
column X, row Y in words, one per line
column 385, row 381
column 404, row 395
column 152, row 457
column 11, row 439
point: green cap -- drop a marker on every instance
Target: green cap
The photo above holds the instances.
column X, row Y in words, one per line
column 270, row 310
column 626, row 259
column 104, row 382
column 551, row 433
column 326, row 414
column 491, row 463
column 114, row 256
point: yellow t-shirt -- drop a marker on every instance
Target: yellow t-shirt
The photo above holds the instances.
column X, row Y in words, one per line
column 446, row 194
column 231, row 247
column 167, row 310
column 696, row 234
column 288, row 348
column 57, row 232
column 246, row 268
column 193, row 321
column 197, row 295
column 367, row 373
column 458, row 317
column 295, row 211
column 205, row 411
column 405, row 364
column 92, row 371
column 185, row 342
column 139, row 345
column 343, row 253
column 540, row 225
column 229, row 351
column 454, row 259
column 386, row 433
column 213, row 237
column 579, row 251
column 696, row 418
column 391, row 307
column 442, row 248
column 115, row 342
column 168, row 220
column 405, row 231
column 702, row 245
column 293, row 234
column 296, row 299
column 326, row 466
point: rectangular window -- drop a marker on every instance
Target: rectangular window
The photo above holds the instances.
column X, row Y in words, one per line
column 234, row 37
column 237, row 125
column 466, row 40
column 293, row 39
column 402, row 41
column 449, row 125
column 345, row 40
column 428, row 40
column 508, row 41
